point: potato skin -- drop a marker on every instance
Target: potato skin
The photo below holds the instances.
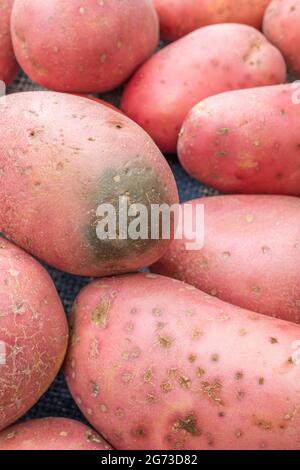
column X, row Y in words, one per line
column 251, row 255
column 33, row 328
column 85, row 46
column 180, row 17
column 245, row 141
column 8, row 63
column 151, row 365
column 61, row 157
column 165, row 88
column 51, row 434
column 281, row 26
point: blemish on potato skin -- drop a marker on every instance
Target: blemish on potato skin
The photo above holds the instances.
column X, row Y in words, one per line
column 148, row 376
column 100, row 313
column 213, row 390
column 215, row 358
column 139, row 432
column 239, row 376
column 188, row 424
column 165, row 342
column 166, row 387
column 273, row 340
column 95, row 389
column 141, row 185
column 262, row 424
column 200, row 372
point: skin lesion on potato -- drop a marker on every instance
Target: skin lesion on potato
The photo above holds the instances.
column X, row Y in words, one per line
column 100, row 313
column 213, row 391
column 188, row 424
column 141, row 185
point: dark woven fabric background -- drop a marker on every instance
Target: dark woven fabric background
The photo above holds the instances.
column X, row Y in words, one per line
column 58, row 401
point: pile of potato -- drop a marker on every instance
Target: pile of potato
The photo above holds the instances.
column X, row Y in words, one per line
column 203, row 351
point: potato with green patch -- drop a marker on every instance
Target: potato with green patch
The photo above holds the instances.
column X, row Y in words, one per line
column 62, row 158
column 157, row 364
column 33, row 332
column 89, row 46
column 282, row 27
column 51, row 434
column 245, row 141
column 250, row 257
column 204, row 63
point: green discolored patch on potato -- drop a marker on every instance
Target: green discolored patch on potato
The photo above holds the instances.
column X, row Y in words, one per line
column 140, row 185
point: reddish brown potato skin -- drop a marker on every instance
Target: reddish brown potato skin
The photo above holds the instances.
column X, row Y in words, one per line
column 156, row 364
column 33, row 328
column 245, row 141
column 162, row 92
column 251, row 254
column 84, row 47
column 61, row 157
column 282, row 28
column 180, row 17
column 8, row 63
column 51, row 434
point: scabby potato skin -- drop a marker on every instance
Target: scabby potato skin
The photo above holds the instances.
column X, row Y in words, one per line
column 156, row 364
column 8, row 63
column 33, row 329
column 281, row 26
column 62, row 156
column 51, row 434
column 180, row 17
column 245, row 141
column 250, row 257
column 167, row 86
column 84, row 47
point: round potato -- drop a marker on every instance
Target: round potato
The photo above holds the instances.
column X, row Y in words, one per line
column 62, row 159
column 83, row 46
column 245, row 141
column 51, row 434
column 8, row 63
column 33, row 332
column 156, row 364
column 180, row 17
column 166, row 87
column 250, row 257
column 282, row 28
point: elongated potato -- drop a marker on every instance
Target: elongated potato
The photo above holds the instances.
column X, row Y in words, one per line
column 51, row 434
column 83, row 46
column 208, row 61
column 245, row 141
column 156, row 364
column 33, row 332
column 251, row 254
column 180, row 17
column 282, row 28
column 61, row 158
column 8, row 63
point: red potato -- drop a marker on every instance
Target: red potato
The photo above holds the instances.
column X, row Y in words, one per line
column 83, row 46
column 180, row 17
column 51, row 434
column 61, row 158
column 164, row 89
column 8, row 63
column 245, row 141
column 33, row 332
column 251, row 254
column 156, row 364
column 282, row 28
